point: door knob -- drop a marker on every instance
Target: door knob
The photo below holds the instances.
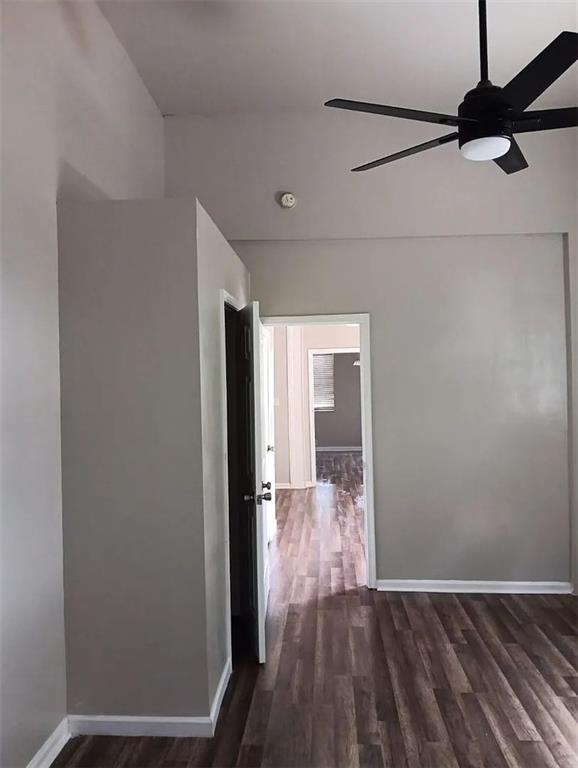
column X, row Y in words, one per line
column 248, row 497
column 271, row 448
column 261, row 497
column 266, row 486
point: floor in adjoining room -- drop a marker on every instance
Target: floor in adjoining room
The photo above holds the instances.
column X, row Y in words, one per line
column 362, row 678
column 344, row 469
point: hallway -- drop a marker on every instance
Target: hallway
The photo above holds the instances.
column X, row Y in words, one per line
column 362, row 678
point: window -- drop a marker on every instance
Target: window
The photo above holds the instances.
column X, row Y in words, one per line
column 323, row 383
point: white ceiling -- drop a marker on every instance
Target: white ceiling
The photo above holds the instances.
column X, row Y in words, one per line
column 219, row 57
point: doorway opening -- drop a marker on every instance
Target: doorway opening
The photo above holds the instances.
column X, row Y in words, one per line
column 298, row 499
column 323, row 450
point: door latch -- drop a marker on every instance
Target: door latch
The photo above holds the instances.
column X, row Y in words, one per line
column 260, row 497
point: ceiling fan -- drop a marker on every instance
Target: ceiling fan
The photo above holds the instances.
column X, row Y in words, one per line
column 489, row 115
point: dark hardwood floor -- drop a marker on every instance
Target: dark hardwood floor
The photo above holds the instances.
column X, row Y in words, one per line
column 344, row 469
column 360, row 678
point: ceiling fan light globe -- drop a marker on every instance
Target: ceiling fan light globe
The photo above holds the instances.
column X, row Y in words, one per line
column 485, row 148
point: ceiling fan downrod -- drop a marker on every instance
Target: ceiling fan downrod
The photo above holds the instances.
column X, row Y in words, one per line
column 483, row 42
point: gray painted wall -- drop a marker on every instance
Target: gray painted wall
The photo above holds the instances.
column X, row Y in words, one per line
column 310, row 151
column 469, row 392
column 218, row 268
column 134, row 572
column 342, row 426
column 143, row 455
column 77, row 122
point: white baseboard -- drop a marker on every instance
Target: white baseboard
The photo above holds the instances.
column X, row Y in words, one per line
column 338, row 448
column 49, row 751
column 139, row 725
column 220, row 692
column 480, row 587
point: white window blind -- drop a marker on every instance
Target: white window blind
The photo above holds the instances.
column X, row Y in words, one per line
column 323, row 383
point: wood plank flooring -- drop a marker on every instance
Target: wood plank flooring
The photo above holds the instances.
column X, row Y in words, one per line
column 360, row 678
column 344, row 469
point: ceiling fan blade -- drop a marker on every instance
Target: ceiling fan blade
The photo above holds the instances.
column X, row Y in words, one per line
column 546, row 120
column 542, row 71
column 408, row 114
column 513, row 161
column 405, row 152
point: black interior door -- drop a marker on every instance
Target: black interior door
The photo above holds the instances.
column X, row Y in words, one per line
column 241, row 471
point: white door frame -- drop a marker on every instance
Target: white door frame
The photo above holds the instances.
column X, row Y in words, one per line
column 269, row 358
column 261, row 542
column 366, row 417
column 311, row 352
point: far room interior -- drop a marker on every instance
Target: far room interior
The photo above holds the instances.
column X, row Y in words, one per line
column 289, row 301
column 318, row 424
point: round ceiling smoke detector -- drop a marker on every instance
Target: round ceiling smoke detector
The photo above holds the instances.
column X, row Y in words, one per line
column 287, row 200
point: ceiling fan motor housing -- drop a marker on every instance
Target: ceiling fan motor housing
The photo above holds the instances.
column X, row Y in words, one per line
column 490, row 112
